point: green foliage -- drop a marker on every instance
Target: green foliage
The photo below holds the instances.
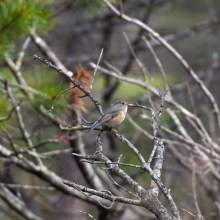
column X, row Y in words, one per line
column 48, row 88
column 6, row 73
column 18, row 17
column 39, row 99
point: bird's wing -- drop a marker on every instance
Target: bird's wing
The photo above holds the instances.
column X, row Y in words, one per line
column 104, row 118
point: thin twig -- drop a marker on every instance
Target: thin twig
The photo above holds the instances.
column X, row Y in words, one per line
column 121, row 7
column 86, row 192
column 19, row 186
column 191, row 98
column 49, row 53
column 10, row 141
column 88, row 93
column 22, row 52
column 9, row 115
column 142, row 67
column 87, row 122
column 117, row 163
column 25, row 134
column 175, row 54
column 115, row 183
column 17, row 204
column 194, row 186
column 59, row 96
column 85, row 213
column 157, row 61
column 93, row 77
column 113, row 68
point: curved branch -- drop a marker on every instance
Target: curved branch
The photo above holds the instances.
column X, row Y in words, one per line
column 174, row 53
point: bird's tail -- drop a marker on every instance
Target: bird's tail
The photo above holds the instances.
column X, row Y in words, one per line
column 94, row 126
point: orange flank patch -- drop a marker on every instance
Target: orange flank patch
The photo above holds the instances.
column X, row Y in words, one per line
column 116, row 120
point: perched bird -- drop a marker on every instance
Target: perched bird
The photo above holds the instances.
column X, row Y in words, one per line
column 113, row 116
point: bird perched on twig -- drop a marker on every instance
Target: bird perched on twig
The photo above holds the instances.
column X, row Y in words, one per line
column 113, row 116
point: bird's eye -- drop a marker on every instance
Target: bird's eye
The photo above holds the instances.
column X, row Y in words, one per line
column 122, row 103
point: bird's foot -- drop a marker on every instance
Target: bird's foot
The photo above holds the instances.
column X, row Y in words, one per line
column 113, row 130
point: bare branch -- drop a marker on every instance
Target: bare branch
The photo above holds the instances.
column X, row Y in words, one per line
column 17, row 204
column 158, row 62
column 103, row 194
column 194, row 186
column 176, row 55
column 93, row 77
column 49, row 64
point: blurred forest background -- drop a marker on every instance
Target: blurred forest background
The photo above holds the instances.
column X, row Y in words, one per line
column 76, row 31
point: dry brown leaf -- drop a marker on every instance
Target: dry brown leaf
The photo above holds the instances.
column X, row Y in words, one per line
column 61, row 138
column 83, row 77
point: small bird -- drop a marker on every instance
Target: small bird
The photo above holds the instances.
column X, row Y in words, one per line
column 113, row 116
